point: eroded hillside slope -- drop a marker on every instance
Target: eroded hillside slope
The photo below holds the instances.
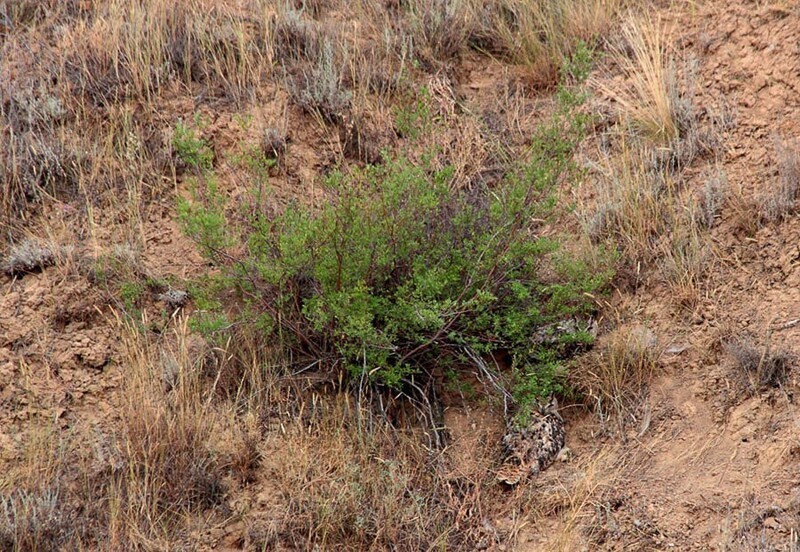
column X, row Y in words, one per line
column 103, row 385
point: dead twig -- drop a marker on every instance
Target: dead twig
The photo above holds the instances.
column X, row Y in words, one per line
column 786, row 325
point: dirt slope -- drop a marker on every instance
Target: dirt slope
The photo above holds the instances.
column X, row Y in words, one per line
column 711, row 468
column 706, row 465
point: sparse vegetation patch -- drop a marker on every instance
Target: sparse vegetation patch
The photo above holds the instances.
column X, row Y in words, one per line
column 29, row 255
column 391, row 274
column 34, row 521
column 614, row 377
column 761, row 367
column 781, row 198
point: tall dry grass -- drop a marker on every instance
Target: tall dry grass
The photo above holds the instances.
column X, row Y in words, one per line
column 169, row 470
column 132, row 49
column 74, row 72
column 643, row 208
column 539, row 34
column 649, row 95
column 635, row 203
column 346, row 479
column 614, row 378
column 36, row 511
column 686, row 258
column 584, row 498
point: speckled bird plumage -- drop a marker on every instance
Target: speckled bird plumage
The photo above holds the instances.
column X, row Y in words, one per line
column 530, row 449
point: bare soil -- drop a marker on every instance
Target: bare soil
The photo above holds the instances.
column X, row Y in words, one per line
column 704, row 465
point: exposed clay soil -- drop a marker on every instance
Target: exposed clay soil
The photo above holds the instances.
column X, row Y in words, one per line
column 711, row 467
column 705, row 466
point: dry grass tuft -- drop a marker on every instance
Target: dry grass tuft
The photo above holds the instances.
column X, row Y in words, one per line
column 600, row 473
column 761, row 367
column 126, row 50
column 169, row 469
column 615, row 376
column 781, row 200
column 295, row 38
column 34, row 521
column 656, row 99
column 642, row 208
column 438, row 29
column 349, row 480
column 35, row 161
column 747, row 528
column 649, row 96
column 686, row 258
column 315, row 8
column 712, row 199
column 635, row 203
column 65, row 129
column 742, row 205
column 539, row 35
column 37, row 507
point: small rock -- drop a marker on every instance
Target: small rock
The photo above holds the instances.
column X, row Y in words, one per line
column 771, row 523
column 676, row 349
column 174, row 298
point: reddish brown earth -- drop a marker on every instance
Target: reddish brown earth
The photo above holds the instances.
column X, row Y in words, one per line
column 703, row 467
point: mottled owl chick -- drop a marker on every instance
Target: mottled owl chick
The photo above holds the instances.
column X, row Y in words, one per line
column 530, row 449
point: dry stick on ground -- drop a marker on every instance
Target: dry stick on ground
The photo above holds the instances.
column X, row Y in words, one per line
column 786, row 325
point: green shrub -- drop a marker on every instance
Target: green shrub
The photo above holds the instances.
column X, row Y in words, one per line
column 414, row 118
column 209, row 318
column 193, row 151
column 131, row 294
column 403, row 270
column 203, row 218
